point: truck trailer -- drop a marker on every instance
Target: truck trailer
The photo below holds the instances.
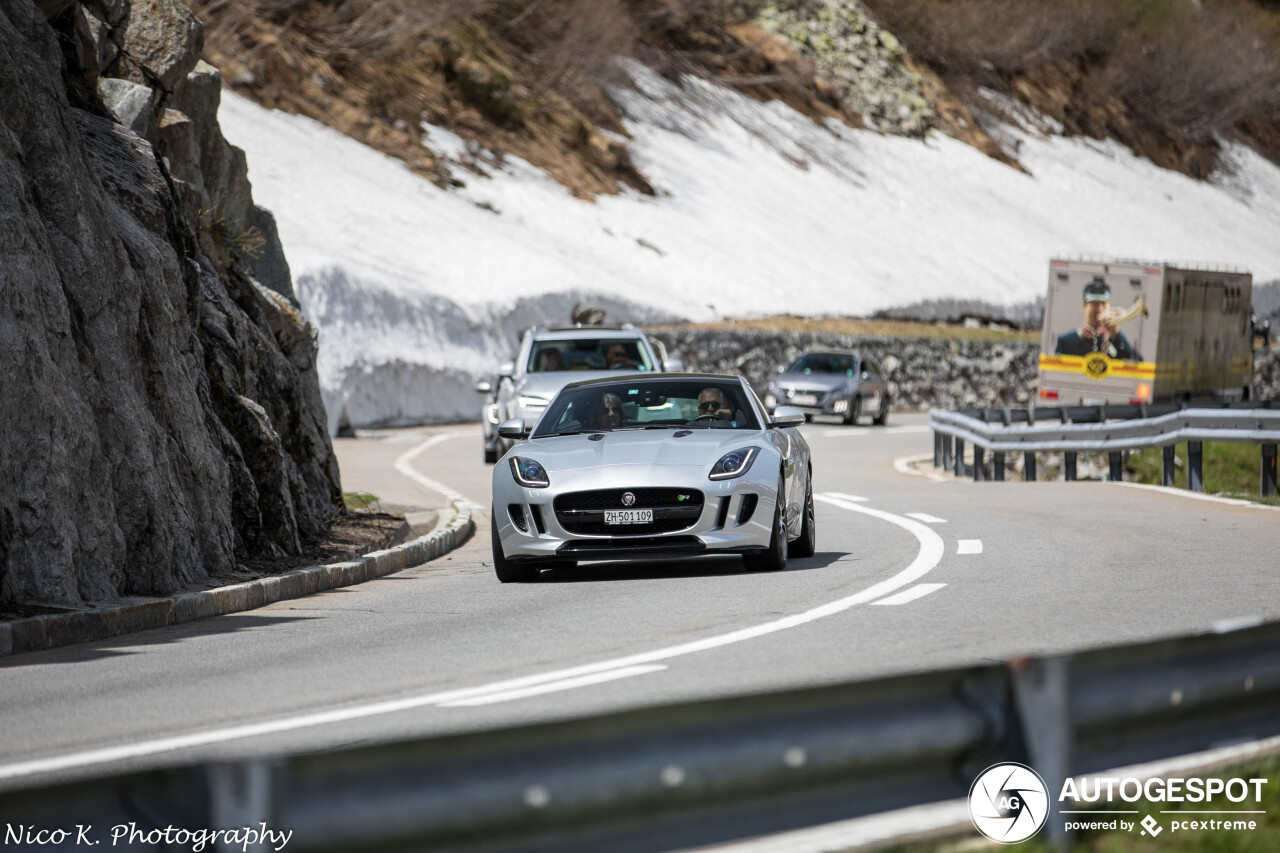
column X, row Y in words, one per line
column 1140, row 332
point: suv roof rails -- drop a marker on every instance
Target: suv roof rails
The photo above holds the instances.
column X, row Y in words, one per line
column 583, row 327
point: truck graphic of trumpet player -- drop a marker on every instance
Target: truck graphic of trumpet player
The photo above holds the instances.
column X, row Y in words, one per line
column 1141, row 332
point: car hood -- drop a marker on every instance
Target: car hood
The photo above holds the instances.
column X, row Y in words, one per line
column 701, row 448
column 547, row 385
column 813, row 381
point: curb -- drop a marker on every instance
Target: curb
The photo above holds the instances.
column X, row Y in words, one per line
column 38, row 633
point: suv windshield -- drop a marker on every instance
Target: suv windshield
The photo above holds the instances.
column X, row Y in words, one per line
column 547, row 356
column 691, row 403
column 822, row 362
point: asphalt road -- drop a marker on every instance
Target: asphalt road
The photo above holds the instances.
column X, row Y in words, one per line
column 911, row 574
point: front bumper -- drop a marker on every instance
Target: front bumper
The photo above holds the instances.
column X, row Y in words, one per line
column 736, row 517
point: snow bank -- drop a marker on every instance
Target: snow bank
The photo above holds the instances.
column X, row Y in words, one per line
column 419, row 291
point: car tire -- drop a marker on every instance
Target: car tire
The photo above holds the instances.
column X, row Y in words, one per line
column 490, row 455
column 883, row 417
column 854, row 411
column 775, row 558
column 807, row 544
column 509, row 571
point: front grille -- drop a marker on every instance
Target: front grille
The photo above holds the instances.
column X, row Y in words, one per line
column 583, row 512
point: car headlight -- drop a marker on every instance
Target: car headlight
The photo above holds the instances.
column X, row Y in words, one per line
column 531, row 402
column 735, row 463
column 529, row 473
column 491, row 413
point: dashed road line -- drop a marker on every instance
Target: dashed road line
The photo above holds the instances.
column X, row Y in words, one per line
column 969, row 546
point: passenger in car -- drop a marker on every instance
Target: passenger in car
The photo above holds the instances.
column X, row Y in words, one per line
column 550, row 360
column 608, row 414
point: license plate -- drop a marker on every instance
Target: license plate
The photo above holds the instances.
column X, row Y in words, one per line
column 628, row 516
column 805, row 399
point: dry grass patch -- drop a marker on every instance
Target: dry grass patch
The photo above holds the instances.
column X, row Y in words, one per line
column 860, row 327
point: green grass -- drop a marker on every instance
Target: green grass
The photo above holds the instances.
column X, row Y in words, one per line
column 1264, row 839
column 359, row 501
column 1232, row 469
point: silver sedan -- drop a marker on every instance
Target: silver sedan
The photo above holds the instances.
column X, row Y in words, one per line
column 653, row 467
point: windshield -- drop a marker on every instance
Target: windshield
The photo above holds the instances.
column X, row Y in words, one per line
column 671, row 404
column 588, row 354
column 822, row 362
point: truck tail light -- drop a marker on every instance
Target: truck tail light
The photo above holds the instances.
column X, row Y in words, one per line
column 1048, row 395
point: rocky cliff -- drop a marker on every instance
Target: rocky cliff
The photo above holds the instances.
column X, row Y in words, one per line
column 162, row 415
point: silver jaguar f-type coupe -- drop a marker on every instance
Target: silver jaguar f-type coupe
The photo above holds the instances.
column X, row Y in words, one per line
column 650, row 468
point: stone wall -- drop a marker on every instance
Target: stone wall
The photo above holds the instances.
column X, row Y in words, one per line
column 923, row 373
column 157, row 382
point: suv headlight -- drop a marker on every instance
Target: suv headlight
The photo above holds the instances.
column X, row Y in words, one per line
column 733, row 464
column 529, row 473
column 531, row 402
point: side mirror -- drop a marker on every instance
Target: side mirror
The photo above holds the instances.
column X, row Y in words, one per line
column 484, row 387
column 513, row 428
column 786, row 416
column 673, row 364
column 507, row 369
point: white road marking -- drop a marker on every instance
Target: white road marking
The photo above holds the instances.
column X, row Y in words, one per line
column 931, row 552
column 842, row 496
column 1199, row 496
column 555, row 686
column 969, row 546
column 920, row 590
column 404, row 466
column 898, row 430
column 926, row 518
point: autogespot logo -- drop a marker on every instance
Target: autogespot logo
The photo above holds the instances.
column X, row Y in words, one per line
column 1008, row 803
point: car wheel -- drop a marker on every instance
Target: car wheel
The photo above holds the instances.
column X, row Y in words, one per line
column 882, row 418
column 807, row 544
column 490, row 455
column 854, row 411
column 775, row 558
column 509, row 571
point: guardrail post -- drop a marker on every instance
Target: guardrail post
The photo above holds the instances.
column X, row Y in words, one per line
column 1029, row 467
column 1169, row 476
column 946, row 452
column 1069, row 465
column 997, row 463
column 978, row 461
column 1268, row 485
column 959, row 469
column 1195, row 466
column 937, row 448
column 239, row 795
column 1117, row 473
column 1042, row 701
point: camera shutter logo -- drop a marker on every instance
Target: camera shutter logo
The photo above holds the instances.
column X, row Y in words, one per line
column 1008, row 803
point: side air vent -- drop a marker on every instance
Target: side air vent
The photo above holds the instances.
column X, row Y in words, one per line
column 537, row 518
column 516, row 511
column 748, row 508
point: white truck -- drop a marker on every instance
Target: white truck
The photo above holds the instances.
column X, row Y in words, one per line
column 1139, row 332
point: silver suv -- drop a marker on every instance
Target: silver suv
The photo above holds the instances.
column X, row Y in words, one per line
column 551, row 358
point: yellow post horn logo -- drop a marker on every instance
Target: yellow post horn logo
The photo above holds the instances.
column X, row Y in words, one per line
column 1096, row 365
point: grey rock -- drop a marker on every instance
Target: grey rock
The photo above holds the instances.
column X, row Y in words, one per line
column 100, row 31
column 163, row 40
column 132, row 104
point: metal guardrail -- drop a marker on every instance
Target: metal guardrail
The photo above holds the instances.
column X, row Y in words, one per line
column 1102, row 429
column 671, row 777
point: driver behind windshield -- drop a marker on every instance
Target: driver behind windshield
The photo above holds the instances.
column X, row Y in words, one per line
column 711, row 401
